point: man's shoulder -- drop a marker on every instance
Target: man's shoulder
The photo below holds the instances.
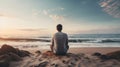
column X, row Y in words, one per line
column 55, row 34
column 60, row 33
column 65, row 34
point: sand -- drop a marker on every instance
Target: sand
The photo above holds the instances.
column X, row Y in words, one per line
column 90, row 50
column 76, row 57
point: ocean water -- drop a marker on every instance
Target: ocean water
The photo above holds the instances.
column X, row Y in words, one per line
column 75, row 40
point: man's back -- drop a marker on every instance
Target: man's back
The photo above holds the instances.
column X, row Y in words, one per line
column 60, row 41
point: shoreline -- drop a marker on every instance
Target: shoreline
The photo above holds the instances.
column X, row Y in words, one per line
column 90, row 50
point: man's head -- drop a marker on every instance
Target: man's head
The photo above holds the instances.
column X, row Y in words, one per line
column 59, row 27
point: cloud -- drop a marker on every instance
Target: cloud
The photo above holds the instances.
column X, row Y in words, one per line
column 56, row 17
column 45, row 12
column 57, row 9
column 51, row 13
column 111, row 7
column 48, row 11
column 35, row 12
column 62, row 8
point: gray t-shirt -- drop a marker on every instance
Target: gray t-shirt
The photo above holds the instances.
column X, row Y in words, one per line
column 60, row 42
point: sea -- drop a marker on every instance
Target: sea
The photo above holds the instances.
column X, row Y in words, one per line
column 75, row 41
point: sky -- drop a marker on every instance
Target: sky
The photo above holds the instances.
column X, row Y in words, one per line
column 40, row 17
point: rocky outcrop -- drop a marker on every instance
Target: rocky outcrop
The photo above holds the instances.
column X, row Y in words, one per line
column 111, row 55
column 9, row 53
column 4, row 60
column 6, row 49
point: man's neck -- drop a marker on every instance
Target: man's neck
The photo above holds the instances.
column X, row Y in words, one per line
column 59, row 31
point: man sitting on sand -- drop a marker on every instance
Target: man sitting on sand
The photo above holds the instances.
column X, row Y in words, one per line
column 59, row 42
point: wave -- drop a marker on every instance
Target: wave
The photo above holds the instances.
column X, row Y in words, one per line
column 96, row 40
column 72, row 40
column 110, row 40
column 24, row 39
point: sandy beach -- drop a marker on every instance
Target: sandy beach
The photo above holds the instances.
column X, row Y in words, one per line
column 90, row 50
column 76, row 57
column 36, row 33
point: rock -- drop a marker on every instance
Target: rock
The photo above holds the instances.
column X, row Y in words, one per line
column 69, row 65
column 23, row 53
column 97, row 54
column 38, row 52
column 4, row 60
column 43, row 64
column 75, row 56
column 68, row 54
column 56, row 65
column 72, row 55
column 14, row 57
column 81, row 55
column 9, row 53
column 6, row 49
column 9, row 49
column 114, row 55
column 104, row 57
column 64, row 62
column 4, row 63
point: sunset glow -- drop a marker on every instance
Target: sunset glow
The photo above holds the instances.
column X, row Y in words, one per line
column 40, row 17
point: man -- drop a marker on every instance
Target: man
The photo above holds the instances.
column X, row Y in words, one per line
column 59, row 42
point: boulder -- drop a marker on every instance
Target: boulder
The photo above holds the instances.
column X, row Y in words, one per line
column 23, row 53
column 4, row 60
column 105, row 57
column 6, row 49
column 14, row 57
column 9, row 53
column 114, row 55
column 96, row 54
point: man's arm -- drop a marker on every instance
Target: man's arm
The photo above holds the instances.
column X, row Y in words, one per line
column 67, row 42
column 52, row 45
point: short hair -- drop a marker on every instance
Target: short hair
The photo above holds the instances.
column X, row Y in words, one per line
column 59, row 27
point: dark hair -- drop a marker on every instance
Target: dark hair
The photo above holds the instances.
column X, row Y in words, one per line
column 59, row 27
